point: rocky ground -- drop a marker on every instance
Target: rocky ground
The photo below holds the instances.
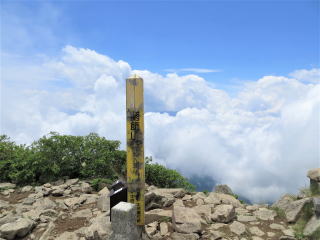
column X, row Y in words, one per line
column 71, row 210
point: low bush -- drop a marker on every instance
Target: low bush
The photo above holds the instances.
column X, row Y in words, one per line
column 56, row 156
column 161, row 176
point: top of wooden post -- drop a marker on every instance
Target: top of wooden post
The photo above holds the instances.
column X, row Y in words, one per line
column 134, row 76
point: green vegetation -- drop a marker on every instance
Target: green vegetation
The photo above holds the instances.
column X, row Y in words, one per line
column 56, row 156
column 280, row 212
column 206, row 192
column 161, row 176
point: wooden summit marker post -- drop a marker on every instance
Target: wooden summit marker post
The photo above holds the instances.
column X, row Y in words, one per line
column 135, row 144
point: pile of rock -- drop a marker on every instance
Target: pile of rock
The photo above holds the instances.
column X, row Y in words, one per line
column 72, row 210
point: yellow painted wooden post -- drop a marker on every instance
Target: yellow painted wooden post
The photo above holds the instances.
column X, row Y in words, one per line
column 135, row 144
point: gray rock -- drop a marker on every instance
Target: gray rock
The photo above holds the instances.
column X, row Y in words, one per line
column 294, row 209
column 223, row 188
column 26, row 189
column 276, row 226
column 218, row 198
column 256, row 231
column 75, row 201
column 164, row 228
column 7, row 185
column 86, row 188
column 67, row 236
column 84, row 213
column 237, row 228
column 19, row 228
column 103, row 203
column 73, row 181
column 181, row 236
column 265, row 214
column 312, row 226
column 44, row 203
column 156, row 215
column 223, row 213
column 316, row 204
column 314, row 174
column 246, row 218
column 186, row 220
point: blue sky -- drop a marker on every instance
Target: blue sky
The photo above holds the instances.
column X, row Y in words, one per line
column 244, row 40
column 230, row 85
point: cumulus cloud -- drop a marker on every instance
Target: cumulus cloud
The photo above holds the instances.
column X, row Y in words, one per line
column 312, row 75
column 194, row 70
column 260, row 142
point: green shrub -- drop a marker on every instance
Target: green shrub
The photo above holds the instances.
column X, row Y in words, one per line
column 99, row 183
column 280, row 212
column 161, row 176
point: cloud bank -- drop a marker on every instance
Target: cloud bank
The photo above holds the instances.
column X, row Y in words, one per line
column 260, row 142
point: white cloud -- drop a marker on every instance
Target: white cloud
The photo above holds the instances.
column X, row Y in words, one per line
column 312, row 75
column 194, row 70
column 260, row 142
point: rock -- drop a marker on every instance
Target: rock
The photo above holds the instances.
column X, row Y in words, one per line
column 265, row 214
column 33, row 214
column 72, row 181
column 242, row 211
column 44, row 203
column 103, row 203
column 204, row 211
column 58, row 191
column 75, row 201
column 271, row 234
column 28, row 201
column 314, row 174
column 256, row 238
column 252, row 207
column 199, row 195
column 159, row 198
column 3, row 204
column 151, row 228
column 67, row 192
column 237, row 228
column 26, row 189
column 200, row 202
column 187, row 197
column 276, row 226
column 180, row 236
column 283, row 202
column 7, row 186
column 84, row 213
column 8, row 219
column 246, row 218
column 316, row 205
column 312, row 226
column 47, row 185
column 104, row 191
column 294, row 209
column 287, row 238
column 157, row 215
column 216, row 226
column 256, row 231
column 186, row 220
column 288, row 232
column 67, row 236
column 19, row 228
column 223, row 189
column 218, row 198
column 164, row 228
column 178, row 203
column 215, row 235
column 99, row 229
column 86, row 188
column 223, row 213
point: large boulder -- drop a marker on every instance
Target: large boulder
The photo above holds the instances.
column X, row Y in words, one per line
column 103, row 202
column 223, row 213
column 162, row 197
column 221, row 198
column 186, row 220
column 265, row 214
column 157, row 215
column 312, row 226
column 314, row 174
column 237, row 228
column 100, row 228
column 19, row 228
column 223, row 188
